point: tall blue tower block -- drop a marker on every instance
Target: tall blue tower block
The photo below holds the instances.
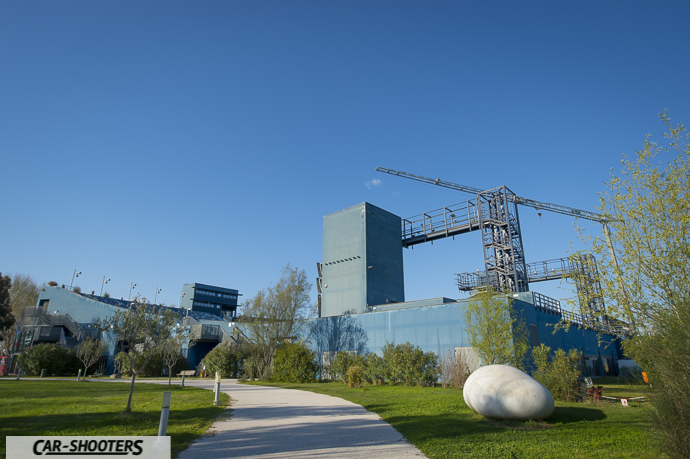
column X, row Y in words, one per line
column 362, row 260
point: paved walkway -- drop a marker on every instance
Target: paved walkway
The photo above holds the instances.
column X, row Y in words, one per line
column 269, row 422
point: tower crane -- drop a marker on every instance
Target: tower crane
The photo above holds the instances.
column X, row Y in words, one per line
column 557, row 208
column 495, row 215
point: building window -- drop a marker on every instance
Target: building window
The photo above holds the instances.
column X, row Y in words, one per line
column 216, row 294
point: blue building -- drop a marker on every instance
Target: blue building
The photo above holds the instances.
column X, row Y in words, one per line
column 218, row 301
column 363, row 303
column 67, row 318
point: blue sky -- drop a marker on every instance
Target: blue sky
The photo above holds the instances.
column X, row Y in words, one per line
column 164, row 143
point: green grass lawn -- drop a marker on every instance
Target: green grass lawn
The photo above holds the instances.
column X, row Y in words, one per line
column 96, row 408
column 439, row 423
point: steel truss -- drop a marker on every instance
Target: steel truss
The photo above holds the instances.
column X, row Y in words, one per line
column 581, row 269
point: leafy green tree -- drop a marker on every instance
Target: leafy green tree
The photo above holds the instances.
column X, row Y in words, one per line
column 560, row 374
column 7, row 336
column 223, row 359
column 89, row 352
column 141, row 331
column 647, row 282
column 294, row 363
column 171, row 351
column 24, row 293
column 7, row 319
column 496, row 331
column 277, row 315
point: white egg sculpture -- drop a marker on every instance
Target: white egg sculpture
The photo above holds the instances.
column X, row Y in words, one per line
column 503, row 392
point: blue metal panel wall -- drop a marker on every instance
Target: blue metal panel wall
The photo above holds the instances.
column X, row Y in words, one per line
column 385, row 276
column 344, row 262
column 589, row 342
column 441, row 327
column 362, row 260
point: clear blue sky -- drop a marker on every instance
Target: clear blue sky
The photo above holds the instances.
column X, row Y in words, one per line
column 164, row 143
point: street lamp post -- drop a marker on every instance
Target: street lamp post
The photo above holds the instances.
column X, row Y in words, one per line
column 158, row 290
column 105, row 281
column 131, row 287
column 74, row 274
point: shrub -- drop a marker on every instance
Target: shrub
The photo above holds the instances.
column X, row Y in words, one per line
column 408, row 364
column 559, row 376
column 374, row 369
column 52, row 284
column 250, row 366
column 342, row 363
column 294, row 363
column 454, row 368
column 56, row 359
column 354, row 376
column 224, row 360
column 665, row 357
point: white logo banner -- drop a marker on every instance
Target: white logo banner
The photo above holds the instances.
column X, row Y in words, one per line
column 88, row 447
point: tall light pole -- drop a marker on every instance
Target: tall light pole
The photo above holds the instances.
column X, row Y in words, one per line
column 74, row 274
column 131, row 287
column 158, row 290
column 105, row 281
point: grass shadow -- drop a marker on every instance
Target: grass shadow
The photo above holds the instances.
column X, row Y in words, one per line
column 573, row 414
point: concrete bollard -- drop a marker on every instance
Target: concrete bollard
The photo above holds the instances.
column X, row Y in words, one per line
column 165, row 411
column 216, row 402
column 182, row 385
column 44, row 373
column 79, row 375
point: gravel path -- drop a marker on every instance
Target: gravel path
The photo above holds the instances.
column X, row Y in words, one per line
column 269, row 422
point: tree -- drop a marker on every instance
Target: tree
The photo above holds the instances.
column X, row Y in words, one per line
column 142, row 331
column 7, row 336
column 89, row 352
column 172, row 349
column 24, row 293
column 277, row 315
column 224, row 359
column 647, row 283
column 7, row 319
column 496, row 331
